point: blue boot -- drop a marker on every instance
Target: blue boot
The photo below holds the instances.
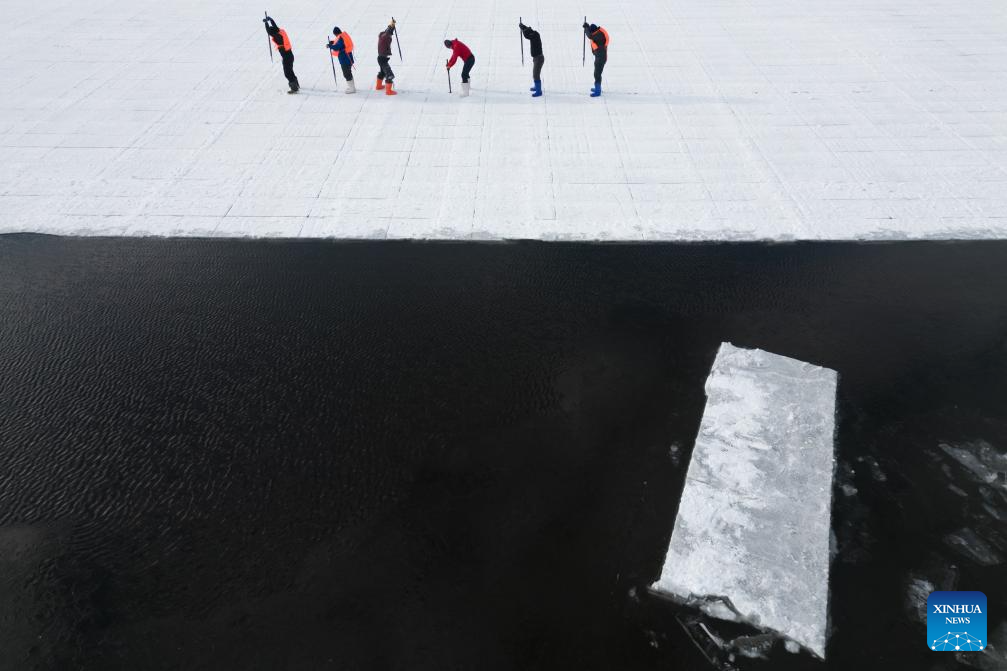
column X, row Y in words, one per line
column 538, row 89
column 596, row 91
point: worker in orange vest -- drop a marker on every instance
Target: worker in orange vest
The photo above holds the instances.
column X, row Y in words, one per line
column 282, row 44
column 343, row 46
column 599, row 46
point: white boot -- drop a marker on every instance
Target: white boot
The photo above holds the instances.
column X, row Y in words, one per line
column 466, row 90
column 351, row 87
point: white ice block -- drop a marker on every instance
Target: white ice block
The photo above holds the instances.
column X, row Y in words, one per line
column 751, row 541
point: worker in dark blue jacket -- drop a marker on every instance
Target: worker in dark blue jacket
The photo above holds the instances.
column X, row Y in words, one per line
column 343, row 46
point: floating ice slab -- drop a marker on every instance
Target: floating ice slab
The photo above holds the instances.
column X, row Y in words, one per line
column 731, row 120
column 751, row 542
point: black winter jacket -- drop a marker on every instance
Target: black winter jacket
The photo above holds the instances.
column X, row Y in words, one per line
column 535, row 39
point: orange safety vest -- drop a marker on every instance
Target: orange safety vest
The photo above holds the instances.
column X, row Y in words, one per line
column 347, row 41
column 286, row 41
column 594, row 45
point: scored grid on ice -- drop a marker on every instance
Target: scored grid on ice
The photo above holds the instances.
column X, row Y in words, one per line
column 721, row 120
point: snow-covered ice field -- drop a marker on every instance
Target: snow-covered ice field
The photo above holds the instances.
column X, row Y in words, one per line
column 722, row 119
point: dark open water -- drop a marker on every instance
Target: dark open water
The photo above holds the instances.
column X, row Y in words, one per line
column 306, row 455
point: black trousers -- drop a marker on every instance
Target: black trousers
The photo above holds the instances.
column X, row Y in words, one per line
column 599, row 67
column 536, row 74
column 470, row 63
column 385, row 70
column 347, row 72
column 288, row 69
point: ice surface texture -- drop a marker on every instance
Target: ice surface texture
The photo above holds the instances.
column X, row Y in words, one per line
column 736, row 120
column 753, row 522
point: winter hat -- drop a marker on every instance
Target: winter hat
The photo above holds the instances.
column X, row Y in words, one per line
column 449, row 44
column 593, row 28
column 337, row 31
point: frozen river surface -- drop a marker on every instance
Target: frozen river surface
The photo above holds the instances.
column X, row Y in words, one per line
column 721, row 120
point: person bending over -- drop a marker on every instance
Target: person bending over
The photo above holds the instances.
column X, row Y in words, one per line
column 599, row 46
column 462, row 52
column 538, row 60
column 282, row 44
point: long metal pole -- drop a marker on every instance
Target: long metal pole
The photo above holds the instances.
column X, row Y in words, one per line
column 397, row 39
column 448, row 67
column 521, row 35
column 583, row 56
column 269, row 47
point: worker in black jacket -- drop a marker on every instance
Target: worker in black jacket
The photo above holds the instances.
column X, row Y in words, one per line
column 538, row 60
column 281, row 42
column 599, row 46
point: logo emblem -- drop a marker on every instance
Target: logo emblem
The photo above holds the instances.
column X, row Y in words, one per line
column 956, row 621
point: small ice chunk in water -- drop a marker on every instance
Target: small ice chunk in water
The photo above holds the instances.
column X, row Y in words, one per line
column 968, row 544
column 875, row 468
column 675, row 453
column 753, row 523
column 754, row 647
column 917, row 592
column 718, row 609
column 982, row 460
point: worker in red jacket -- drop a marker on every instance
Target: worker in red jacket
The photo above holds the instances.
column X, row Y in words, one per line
column 459, row 50
column 386, row 77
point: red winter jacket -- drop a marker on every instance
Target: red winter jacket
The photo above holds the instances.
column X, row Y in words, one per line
column 459, row 50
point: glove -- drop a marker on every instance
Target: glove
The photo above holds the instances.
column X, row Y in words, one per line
column 392, row 24
column 586, row 26
column 521, row 26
